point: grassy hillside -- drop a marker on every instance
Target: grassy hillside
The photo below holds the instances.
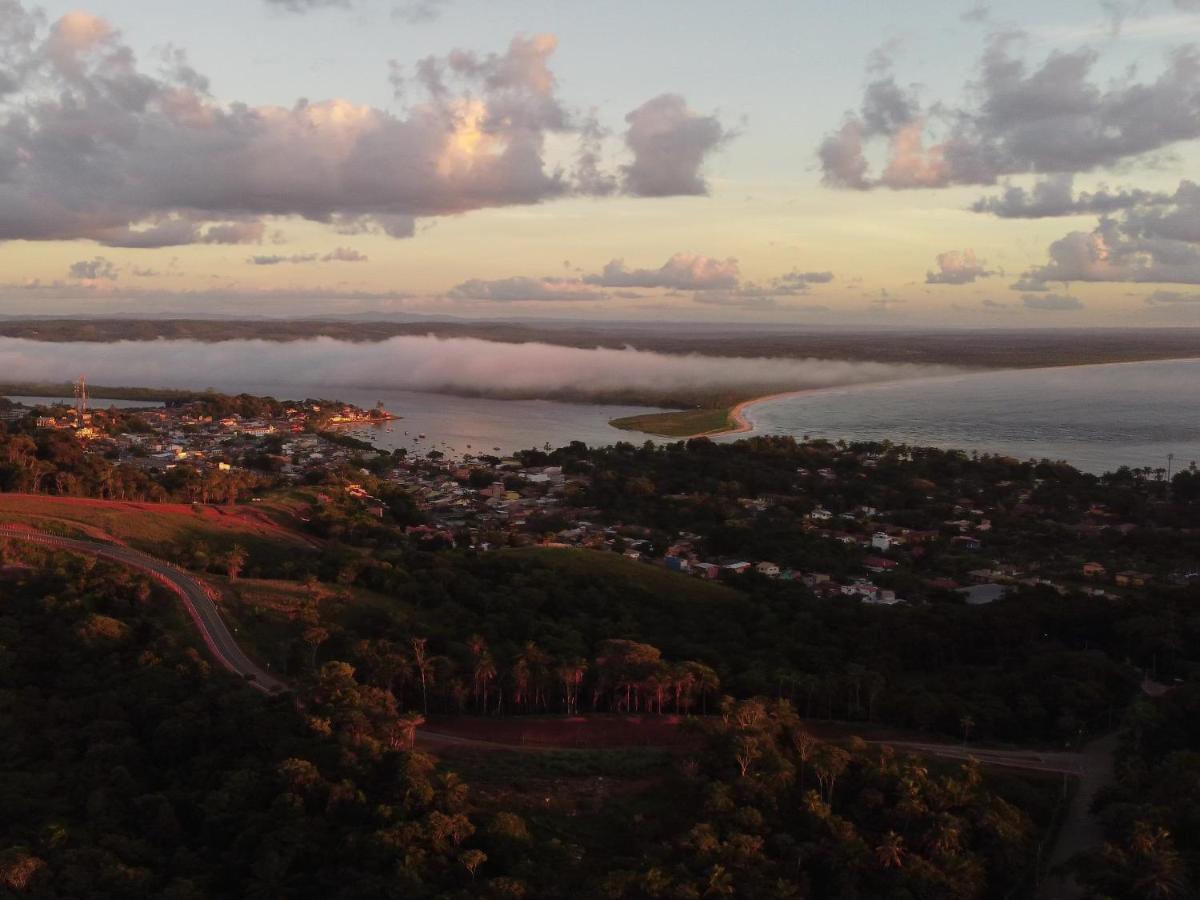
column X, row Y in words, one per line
column 614, row 569
column 163, row 529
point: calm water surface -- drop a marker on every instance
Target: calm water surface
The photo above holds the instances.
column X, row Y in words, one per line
column 1096, row 417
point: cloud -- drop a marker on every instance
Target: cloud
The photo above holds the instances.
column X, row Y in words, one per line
column 955, row 267
column 742, row 299
column 1054, row 196
column 1158, row 242
column 94, row 147
column 712, row 281
column 803, row 279
column 1054, row 118
column 980, row 12
column 278, row 260
column 344, row 254
column 233, row 297
column 1051, row 302
column 1171, row 298
column 670, row 144
column 454, row 365
column 520, row 289
column 93, row 269
column 303, row 6
column 418, row 12
column 683, row 271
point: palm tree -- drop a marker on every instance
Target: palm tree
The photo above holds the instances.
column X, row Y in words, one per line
column 890, row 851
column 485, row 672
column 967, row 724
column 408, row 725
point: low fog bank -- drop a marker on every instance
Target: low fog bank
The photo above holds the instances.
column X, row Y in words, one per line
column 465, row 366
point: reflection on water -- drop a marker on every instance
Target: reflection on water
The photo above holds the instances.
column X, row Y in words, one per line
column 1096, row 417
column 472, row 425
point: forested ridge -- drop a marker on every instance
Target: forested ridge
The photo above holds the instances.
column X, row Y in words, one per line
column 134, row 767
column 130, row 767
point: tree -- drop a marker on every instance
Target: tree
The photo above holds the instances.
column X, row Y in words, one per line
column 805, row 744
column 471, row 860
column 422, row 662
column 408, row 725
column 314, row 636
column 966, row 723
column 235, row 561
column 889, row 853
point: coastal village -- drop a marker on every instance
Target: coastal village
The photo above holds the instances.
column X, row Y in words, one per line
column 963, row 546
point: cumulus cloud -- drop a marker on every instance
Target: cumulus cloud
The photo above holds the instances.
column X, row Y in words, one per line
column 1055, row 196
column 670, row 144
column 453, row 365
column 683, row 271
column 1051, row 302
column 1157, row 242
column 93, row 269
column 1052, row 118
column 957, row 267
column 521, row 289
column 94, row 147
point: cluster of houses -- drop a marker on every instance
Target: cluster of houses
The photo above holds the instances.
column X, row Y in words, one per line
column 168, row 436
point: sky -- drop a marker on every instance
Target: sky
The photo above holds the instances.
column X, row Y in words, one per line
column 933, row 163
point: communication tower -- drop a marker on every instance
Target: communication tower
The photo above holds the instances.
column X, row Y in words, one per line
column 81, row 398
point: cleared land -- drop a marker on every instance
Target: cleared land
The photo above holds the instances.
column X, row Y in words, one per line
column 160, row 528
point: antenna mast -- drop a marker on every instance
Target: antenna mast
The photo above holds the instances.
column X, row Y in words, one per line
column 81, row 397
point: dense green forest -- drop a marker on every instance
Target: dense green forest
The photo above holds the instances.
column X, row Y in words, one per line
column 129, row 767
column 1152, row 814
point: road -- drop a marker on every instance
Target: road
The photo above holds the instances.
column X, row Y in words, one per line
column 1033, row 760
column 1079, row 830
column 190, row 590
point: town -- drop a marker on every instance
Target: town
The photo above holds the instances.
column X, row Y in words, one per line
column 880, row 525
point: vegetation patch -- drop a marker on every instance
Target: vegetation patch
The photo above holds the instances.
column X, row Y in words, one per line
column 680, row 423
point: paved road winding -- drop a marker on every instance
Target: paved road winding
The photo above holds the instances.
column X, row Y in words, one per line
column 191, row 591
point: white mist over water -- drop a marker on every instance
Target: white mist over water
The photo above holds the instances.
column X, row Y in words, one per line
column 428, row 363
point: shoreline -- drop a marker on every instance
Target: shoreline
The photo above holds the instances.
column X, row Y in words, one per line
column 741, row 424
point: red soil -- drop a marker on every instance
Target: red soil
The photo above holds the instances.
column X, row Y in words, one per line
column 242, row 518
